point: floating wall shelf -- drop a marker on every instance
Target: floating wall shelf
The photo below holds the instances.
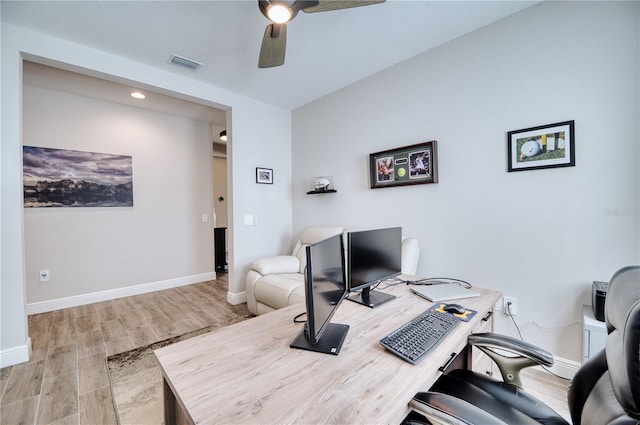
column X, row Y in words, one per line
column 315, row 192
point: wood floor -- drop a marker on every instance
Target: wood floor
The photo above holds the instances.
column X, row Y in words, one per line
column 66, row 380
column 550, row 389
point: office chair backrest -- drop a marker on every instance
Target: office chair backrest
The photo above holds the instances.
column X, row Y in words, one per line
column 606, row 388
column 622, row 314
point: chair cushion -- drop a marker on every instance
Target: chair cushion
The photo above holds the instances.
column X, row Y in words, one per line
column 502, row 400
column 622, row 314
column 297, row 295
column 276, row 290
column 602, row 407
column 311, row 235
column 276, row 264
column 583, row 382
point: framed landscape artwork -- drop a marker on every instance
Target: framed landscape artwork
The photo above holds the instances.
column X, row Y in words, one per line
column 68, row 178
column 545, row 146
column 415, row 164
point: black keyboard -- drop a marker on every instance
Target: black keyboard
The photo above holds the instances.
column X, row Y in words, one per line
column 415, row 339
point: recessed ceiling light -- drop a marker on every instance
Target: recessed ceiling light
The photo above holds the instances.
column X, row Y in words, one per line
column 137, row 95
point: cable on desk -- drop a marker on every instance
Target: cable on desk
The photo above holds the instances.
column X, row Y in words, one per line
column 392, row 281
column 295, row 319
column 439, row 281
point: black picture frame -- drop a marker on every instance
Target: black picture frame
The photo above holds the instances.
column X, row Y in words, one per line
column 264, row 175
column 544, row 146
column 404, row 166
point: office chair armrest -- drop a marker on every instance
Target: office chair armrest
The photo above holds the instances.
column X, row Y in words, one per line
column 524, row 354
column 497, row 341
column 443, row 408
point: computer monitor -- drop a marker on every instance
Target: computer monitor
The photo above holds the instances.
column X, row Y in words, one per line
column 325, row 288
column 373, row 255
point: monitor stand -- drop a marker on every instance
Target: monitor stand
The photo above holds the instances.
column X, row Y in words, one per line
column 330, row 342
column 371, row 298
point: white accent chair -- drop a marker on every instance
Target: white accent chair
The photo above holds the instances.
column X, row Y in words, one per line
column 276, row 282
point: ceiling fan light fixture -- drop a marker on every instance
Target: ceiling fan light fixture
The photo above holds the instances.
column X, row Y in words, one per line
column 279, row 13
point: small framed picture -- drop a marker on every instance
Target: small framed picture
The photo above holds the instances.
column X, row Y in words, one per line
column 545, row 146
column 264, row 175
column 415, row 164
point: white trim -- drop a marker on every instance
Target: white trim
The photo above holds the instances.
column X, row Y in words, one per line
column 235, row 299
column 111, row 294
column 562, row 367
column 15, row 355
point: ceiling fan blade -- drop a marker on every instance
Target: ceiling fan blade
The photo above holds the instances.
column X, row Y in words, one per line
column 299, row 5
column 274, row 44
column 327, row 5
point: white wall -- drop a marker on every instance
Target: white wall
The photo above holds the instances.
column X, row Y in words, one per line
column 541, row 236
column 260, row 136
column 162, row 237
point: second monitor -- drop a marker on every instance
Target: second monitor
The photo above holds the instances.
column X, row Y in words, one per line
column 372, row 256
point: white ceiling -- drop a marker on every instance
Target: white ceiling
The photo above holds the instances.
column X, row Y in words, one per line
column 325, row 51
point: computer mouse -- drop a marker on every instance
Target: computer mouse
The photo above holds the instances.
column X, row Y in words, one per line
column 454, row 308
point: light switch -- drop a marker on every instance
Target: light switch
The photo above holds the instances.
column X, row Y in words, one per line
column 205, row 218
column 248, row 220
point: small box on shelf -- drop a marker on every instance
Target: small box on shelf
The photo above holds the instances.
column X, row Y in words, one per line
column 321, row 184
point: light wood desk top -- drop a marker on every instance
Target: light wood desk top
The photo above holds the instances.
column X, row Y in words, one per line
column 247, row 373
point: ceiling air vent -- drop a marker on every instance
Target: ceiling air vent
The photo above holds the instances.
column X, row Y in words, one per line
column 184, row 62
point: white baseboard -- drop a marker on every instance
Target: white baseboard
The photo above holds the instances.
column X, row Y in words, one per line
column 235, row 299
column 562, row 367
column 15, row 355
column 111, row 294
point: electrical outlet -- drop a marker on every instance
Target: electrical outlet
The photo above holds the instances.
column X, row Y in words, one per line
column 510, row 305
column 44, row 276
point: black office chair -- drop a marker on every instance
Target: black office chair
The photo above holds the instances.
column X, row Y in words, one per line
column 604, row 391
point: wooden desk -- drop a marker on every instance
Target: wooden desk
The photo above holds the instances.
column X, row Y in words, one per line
column 247, row 373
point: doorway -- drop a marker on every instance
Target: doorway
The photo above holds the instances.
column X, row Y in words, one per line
column 220, row 203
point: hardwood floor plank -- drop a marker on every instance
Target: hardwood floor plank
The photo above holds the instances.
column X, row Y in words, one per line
column 25, row 381
column 548, row 388
column 59, row 398
column 4, row 377
column 88, row 323
column 106, row 311
column 96, row 407
column 176, row 296
column 187, row 325
column 92, row 373
column 128, row 314
column 85, row 310
column 68, row 420
column 64, row 316
column 159, row 323
column 119, row 345
column 63, row 332
column 142, row 335
column 61, row 360
column 90, row 343
column 169, row 309
column 113, row 329
column 40, row 327
column 21, row 412
column 203, row 319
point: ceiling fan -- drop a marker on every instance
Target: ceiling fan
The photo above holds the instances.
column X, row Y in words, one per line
column 274, row 42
